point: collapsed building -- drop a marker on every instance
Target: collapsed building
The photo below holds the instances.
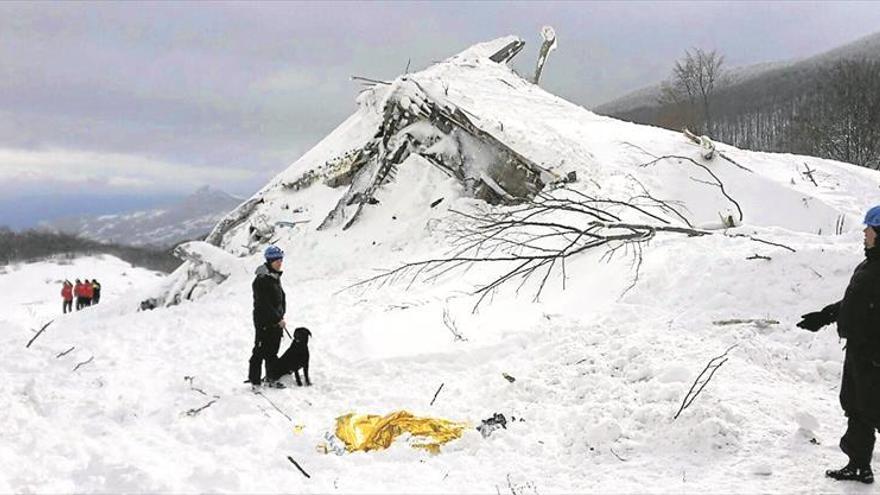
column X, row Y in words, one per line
column 417, row 118
column 503, row 140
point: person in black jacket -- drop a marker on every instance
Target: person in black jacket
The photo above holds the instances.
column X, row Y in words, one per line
column 269, row 308
column 96, row 291
column 858, row 320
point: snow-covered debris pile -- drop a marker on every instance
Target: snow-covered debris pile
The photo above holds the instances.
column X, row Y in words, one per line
column 421, row 123
column 490, row 135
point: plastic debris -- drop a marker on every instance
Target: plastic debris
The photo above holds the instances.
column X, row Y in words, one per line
column 367, row 432
column 487, row 426
column 331, row 444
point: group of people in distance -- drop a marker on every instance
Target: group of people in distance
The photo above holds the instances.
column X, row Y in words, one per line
column 86, row 293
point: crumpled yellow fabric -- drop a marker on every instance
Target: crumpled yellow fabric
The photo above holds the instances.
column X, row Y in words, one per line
column 373, row 432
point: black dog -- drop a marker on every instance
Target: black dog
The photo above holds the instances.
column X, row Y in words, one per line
column 297, row 356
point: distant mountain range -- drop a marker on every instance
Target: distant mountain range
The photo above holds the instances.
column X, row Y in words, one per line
column 190, row 218
column 747, row 88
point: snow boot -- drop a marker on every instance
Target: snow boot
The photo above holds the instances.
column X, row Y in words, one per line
column 852, row 473
column 273, row 384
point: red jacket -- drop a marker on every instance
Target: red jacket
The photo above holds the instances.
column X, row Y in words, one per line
column 88, row 290
column 67, row 292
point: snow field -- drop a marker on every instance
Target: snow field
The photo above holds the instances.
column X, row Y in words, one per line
column 588, row 380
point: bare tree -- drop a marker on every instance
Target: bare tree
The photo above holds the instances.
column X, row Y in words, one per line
column 692, row 85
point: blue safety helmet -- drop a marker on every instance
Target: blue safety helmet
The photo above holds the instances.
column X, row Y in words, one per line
column 872, row 218
column 273, row 253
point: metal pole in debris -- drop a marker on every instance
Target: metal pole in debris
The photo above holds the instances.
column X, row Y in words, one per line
column 549, row 45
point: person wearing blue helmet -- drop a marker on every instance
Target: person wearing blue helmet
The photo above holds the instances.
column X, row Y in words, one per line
column 858, row 320
column 270, row 305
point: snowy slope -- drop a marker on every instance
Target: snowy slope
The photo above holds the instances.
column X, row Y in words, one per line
column 600, row 370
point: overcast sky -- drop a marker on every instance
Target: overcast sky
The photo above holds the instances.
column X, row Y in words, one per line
column 160, row 98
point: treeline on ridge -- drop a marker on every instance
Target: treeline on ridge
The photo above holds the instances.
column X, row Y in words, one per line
column 35, row 245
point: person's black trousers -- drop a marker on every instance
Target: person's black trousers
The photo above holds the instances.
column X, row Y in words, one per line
column 266, row 343
column 858, row 441
column 67, row 306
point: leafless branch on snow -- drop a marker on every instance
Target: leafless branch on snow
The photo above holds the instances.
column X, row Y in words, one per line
column 702, row 380
column 196, row 411
column 533, row 239
column 437, row 393
column 79, row 365
column 40, row 332
column 62, row 354
column 449, row 323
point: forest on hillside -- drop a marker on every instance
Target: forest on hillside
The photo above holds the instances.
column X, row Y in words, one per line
column 829, row 109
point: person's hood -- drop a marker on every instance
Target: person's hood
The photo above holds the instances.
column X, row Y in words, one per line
column 265, row 269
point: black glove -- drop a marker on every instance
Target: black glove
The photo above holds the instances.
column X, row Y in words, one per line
column 818, row 319
column 813, row 321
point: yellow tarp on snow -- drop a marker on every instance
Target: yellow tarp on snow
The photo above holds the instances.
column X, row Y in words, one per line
column 372, row 432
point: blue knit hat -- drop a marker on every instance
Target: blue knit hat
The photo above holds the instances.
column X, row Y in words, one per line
column 872, row 218
column 273, row 253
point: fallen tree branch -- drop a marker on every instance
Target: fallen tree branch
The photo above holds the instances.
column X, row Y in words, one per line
column 809, row 174
column 761, row 322
column 436, row 394
column 275, row 406
column 84, row 363
column 449, row 323
column 702, row 380
column 734, row 162
column 533, row 246
column 38, row 334
column 303, row 471
column 758, row 257
column 191, row 380
column 615, row 455
column 193, row 412
column 62, row 354
column 707, row 170
column 762, row 241
column 638, row 268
